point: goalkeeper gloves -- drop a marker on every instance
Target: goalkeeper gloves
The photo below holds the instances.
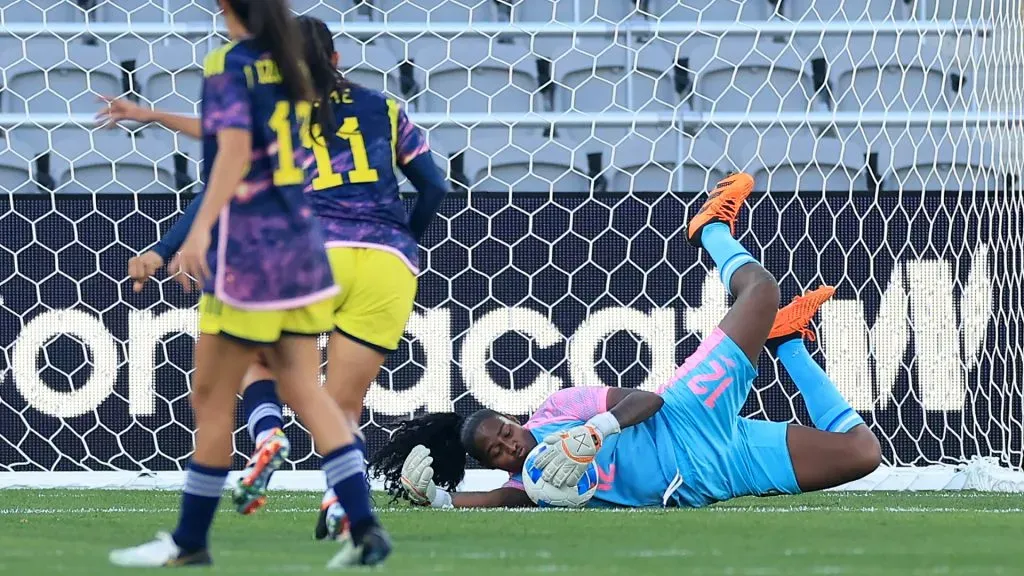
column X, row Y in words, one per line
column 571, row 451
column 418, row 480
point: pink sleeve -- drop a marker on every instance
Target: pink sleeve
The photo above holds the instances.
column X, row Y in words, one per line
column 514, row 482
column 569, row 405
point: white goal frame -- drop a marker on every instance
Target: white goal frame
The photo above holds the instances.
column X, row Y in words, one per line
column 990, row 117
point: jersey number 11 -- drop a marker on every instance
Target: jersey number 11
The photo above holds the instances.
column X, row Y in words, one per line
column 288, row 174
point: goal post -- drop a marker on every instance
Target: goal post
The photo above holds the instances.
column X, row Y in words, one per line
column 886, row 146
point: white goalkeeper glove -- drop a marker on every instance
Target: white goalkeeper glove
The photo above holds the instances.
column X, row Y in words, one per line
column 418, row 480
column 571, row 451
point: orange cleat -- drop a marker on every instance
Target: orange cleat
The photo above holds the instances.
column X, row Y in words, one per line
column 794, row 318
column 250, row 494
column 723, row 205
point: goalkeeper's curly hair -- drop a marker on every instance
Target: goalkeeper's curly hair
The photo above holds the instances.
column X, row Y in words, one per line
column 448, row 436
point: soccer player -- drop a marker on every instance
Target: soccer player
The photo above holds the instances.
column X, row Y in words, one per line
column 358, row 137
column 256, row 250
column 683, row 446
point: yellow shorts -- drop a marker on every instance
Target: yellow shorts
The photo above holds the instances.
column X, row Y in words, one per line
column 263, row 326
column 377, row 294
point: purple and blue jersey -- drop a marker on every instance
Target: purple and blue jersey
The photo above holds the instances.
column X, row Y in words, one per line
column 633, row 470
column 353, row 187
column 267, row 249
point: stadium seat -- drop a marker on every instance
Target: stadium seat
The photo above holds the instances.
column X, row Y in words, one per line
column 132, row 11
column 640, row 165
column 807, row 164
column 48, row 11
column 330, row 12
column 595, row 76
column 751, row 76
column 562, row 11
column 708, row 10
column 927, row 165
column 529, row 164
column 369, row 65
column 169, row 74
column 846, row 10
column 437, row 10
column 15, row 176
column 49, row 75
column 200, row 12
column 473, row 75
column 117, row 163
column 886, row 74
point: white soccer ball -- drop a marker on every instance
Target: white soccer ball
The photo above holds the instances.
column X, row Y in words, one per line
column 545, row 495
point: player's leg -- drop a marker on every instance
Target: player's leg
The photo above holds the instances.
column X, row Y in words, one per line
column 708, row 391
column 265, row 423
column 220, row 360
column 296, row 362
column 755, row 290
column 777, row 458
column 379, row 291
column 840, row 448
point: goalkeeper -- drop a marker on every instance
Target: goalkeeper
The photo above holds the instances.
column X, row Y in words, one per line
column 684, row 446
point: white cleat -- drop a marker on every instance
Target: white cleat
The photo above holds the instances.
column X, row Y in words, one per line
column 160, row 552
column 372, row 551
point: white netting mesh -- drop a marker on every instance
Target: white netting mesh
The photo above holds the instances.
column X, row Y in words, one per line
column 576, row 134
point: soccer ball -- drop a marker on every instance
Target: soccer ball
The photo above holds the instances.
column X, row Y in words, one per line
column 337, row 522
column 545, row 495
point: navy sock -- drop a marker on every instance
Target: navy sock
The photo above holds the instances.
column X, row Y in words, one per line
column 360, row 445
column 262, row 409
column 199, row 500
column 729, row 255
column 346, row 474
column 827, row 407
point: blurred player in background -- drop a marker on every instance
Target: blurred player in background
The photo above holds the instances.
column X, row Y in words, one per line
column 684, row 446
column 358, row 137
column 266, row 278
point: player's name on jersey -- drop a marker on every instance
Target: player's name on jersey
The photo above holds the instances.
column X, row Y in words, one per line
column 927, row 328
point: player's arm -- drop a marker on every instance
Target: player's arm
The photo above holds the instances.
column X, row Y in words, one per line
column 574, row 449
column 417, row 480
column 500, row 498
column 630, row 406
column 117, row 110
column 414, row 160
column 142, row 267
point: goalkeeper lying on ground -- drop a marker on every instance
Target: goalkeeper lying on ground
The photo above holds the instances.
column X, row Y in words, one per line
column 684, row 446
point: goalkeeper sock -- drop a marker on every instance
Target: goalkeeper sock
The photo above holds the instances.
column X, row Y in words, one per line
column 729, row 255
column 199, row 500
column 346, row 474
column 827, row 407
column 262, row 409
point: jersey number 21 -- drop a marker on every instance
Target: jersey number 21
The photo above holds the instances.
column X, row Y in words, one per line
column 288, row 174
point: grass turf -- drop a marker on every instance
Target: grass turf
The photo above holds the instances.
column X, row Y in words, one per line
column 70, row 532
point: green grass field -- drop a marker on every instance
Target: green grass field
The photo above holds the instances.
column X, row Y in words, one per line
column 70, row 532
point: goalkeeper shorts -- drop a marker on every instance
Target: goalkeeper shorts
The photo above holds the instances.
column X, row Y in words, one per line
column 721, row 455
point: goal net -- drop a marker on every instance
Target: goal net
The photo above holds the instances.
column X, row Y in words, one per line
column 884, row 136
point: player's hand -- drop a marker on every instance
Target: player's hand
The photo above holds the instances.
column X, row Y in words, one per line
column 571, row 451
column 116, row 110
column 418, row 476
column 142, row 267
column 190, row 264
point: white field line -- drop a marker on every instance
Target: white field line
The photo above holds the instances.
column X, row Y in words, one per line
column 409, row 510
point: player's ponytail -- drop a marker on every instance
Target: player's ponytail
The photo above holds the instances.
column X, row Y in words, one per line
column 272, row 25
column 445, row 434
column 327, row 79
